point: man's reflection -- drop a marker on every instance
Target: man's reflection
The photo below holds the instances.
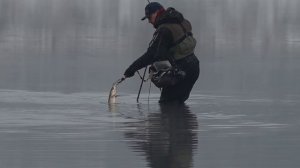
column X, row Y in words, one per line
column 167, row 138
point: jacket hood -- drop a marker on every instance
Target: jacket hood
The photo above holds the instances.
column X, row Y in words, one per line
column 171, row 15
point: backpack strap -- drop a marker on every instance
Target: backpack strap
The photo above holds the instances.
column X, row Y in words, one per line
column 186, row 34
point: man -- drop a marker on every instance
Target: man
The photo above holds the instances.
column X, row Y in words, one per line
column 171, row 41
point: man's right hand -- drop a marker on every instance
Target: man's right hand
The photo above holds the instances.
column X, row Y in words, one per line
column 128, row 73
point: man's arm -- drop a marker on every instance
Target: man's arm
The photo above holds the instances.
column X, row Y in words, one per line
column 158, row 50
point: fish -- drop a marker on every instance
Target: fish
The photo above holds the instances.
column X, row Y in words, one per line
column 113, row 91
column 112, row 94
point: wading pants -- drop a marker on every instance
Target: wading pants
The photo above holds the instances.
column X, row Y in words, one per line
column 180, row 92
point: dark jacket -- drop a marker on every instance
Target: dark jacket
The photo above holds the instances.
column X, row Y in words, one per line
column 163, row 40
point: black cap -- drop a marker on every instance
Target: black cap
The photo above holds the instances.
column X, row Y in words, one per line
column 151, row 8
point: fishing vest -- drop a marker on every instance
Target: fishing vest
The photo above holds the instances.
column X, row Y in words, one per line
column 183, row 41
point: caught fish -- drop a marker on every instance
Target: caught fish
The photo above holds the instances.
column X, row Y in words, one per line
column 112, row 94
column 113, row 91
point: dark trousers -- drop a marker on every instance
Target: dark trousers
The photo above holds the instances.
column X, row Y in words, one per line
column 180, row 92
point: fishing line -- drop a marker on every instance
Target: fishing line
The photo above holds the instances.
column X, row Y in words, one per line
column 149, row 93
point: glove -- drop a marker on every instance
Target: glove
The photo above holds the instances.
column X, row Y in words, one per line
column 128, row 73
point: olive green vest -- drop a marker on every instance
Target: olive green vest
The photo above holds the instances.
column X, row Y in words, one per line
column 183, row 41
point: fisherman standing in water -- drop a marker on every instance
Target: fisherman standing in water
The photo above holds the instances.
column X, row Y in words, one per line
column 172, row 41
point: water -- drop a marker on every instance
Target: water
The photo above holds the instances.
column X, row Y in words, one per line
column 48, row 129
column 59, row 58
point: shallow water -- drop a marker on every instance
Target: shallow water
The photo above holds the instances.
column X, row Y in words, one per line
column 246, row 115
column 48, row 129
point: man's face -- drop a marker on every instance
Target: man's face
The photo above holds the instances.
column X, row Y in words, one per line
column 152, row 17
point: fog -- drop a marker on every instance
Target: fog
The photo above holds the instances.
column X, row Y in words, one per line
column 59, row 58
column 244, row 46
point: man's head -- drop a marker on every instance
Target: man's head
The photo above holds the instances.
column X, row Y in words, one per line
column 151, row 11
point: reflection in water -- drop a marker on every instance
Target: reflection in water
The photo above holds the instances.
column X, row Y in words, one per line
column 166, row 138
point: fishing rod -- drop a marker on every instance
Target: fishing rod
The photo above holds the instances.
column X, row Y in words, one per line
column 141, row 85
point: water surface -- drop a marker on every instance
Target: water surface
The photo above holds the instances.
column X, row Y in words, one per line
column 51, row 129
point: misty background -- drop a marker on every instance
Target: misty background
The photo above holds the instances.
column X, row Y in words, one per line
column 244, row 46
